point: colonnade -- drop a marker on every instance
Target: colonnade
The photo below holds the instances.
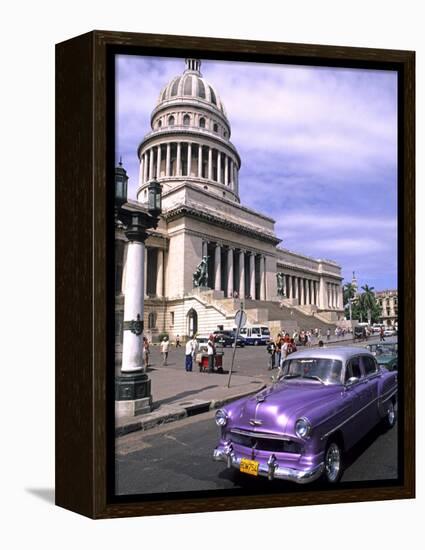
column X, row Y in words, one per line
column 190, row 159
column 237, row 272
column 309, row 291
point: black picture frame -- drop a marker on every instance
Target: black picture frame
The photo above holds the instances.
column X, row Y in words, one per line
column 84, row 263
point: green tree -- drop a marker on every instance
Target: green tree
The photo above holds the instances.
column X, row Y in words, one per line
column 368, row 306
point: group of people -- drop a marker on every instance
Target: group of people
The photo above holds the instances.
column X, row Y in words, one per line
column 280, row 349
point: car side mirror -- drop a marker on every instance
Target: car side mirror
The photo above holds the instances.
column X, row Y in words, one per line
column 351, row 381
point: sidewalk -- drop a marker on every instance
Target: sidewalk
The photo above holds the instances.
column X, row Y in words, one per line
column 178, row 394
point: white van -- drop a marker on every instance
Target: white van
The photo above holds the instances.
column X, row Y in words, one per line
column 255, row 335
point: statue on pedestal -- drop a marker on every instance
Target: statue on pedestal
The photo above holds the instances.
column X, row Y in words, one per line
column 200, row 277
column 280, row 279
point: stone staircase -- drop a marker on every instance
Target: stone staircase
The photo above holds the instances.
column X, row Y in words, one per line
column 276, row 312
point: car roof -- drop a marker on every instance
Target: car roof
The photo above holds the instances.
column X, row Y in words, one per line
column 341, row 353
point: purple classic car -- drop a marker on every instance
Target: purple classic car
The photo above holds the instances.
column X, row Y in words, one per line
column 324, row 401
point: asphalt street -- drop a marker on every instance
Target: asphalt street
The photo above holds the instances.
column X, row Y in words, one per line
column 178, row 456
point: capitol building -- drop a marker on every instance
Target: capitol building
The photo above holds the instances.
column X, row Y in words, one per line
column 204, row 224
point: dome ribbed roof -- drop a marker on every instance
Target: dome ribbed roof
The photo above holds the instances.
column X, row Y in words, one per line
column 191, row 85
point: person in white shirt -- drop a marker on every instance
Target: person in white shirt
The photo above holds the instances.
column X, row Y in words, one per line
column 211, row 353
column 164, row 350
column 190, row 353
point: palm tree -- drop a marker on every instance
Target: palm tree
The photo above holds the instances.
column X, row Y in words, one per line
column 349, row 293
column 368, row 301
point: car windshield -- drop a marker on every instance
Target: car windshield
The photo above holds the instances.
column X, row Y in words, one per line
column 327, row 371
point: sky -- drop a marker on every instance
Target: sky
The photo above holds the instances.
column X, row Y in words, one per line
column 318, row 148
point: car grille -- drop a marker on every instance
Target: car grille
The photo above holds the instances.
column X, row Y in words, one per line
column 264, row 443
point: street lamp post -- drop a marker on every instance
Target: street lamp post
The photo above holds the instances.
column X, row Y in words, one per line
column 132, row 386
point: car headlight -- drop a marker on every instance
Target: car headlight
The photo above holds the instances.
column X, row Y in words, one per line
column 220, row 418
column 302, row 428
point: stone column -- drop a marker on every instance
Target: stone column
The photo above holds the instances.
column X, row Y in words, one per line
column 210, row 163
column 150, row 163
column 141, row 170
column 160, row 274
column 179, row 159
column 302, row 296
column 284, row 287
column 262, row 279
column 242, row 274
column 230, row 272
column 158, row 163
column 168, row 160
column 289, row 286
column 217, row 267
column 252, row 275
column 204, row 248
column 231, row 173
column 297, row 289
column 199, row 161
column 307, row 292
column 341, row 297
column 219, row 167
column 226, row 170
column 189, row 159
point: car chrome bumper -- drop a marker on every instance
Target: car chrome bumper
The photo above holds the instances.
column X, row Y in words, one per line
column 271, row 469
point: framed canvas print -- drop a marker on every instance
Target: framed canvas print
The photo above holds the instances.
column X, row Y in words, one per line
column 235, row 274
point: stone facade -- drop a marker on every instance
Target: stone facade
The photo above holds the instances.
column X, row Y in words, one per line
column 189, row 152
column 388, row 302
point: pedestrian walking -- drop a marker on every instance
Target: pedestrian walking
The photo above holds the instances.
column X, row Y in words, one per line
column 146, row 351
column 328, row 334
column 271, row 348
column 178, row 345
column 164, row 350
column 278, row 349
column 211, row 352
column 190, row 353
column 381, row 335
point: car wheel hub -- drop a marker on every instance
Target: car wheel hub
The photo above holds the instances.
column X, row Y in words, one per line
column 333, row 462
column 391, row 414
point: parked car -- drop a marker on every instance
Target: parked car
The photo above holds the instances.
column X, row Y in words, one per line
column 299, row 428
column 388, row 360
column 390, row 332
column 255, row 335
column 383, row 348
column 227, row 338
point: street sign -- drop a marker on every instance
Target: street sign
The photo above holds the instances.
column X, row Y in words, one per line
column 240, row 319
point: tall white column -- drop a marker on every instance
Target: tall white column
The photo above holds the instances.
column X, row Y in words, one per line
column 226, row 170
column 150, row 163
column 168, row 160
column 132, row 352
column 204, row 248
column 179, row 159
column 160, row 274
column 230, row 273
column 141, row 170
column 242, row 274
column 145, row 167
column 297, row 289
column 189, row 159
column 231, row 173
column 145, row 270
column 262, row 279
column 158, row 162
column 217, row 267
column 302, row 297
column 219, row 167
column 210, row 163
column 200, row 161
column 252, row 275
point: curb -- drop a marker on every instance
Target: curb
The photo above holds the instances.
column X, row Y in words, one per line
column 174, row 413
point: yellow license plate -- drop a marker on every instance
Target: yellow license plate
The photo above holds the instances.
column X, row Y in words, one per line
column 249, row 467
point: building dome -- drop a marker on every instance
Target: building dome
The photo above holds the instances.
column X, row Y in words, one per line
column 189, row 139
column 190, row 85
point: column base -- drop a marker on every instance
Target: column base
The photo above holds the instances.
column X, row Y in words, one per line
column 132, row 394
